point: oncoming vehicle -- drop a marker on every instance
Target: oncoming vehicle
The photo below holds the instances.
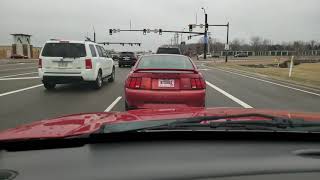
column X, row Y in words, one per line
column 164, row 79
column 127, row 59
column 168, row 50
column 208, row 55
column 63, row 61
column 241, row 55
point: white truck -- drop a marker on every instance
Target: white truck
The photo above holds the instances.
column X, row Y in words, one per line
column 64, row 61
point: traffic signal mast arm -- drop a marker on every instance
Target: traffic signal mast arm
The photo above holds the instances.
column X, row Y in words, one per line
column 145, row 31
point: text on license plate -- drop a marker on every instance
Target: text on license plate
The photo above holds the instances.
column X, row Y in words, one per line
column 166, row 83
column 62, row 64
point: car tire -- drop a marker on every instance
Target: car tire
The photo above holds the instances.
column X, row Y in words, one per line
column 97, row 84
column 49, row 85
column 113, row 75
column 127, row 107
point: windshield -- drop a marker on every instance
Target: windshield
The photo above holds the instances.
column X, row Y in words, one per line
column 129, row 54
column 64, row 50
column 125, row 61
column 165, row 62
column 168, row 51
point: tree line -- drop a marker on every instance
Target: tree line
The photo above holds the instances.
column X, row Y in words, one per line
column 255, row 44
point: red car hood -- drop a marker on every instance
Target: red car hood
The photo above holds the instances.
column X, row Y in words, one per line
column 80, row 124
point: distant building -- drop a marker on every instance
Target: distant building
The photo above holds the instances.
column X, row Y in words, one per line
column 21, row 45
column 20, row 48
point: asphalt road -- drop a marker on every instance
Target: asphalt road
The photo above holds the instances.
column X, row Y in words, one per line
column 23, row 99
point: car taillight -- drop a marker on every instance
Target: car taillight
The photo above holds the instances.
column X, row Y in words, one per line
column 197, row 83
column 40, row 63
column 88, row 64
column 134, row 83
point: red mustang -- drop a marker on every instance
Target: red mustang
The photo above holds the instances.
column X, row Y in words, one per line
column 164, row 79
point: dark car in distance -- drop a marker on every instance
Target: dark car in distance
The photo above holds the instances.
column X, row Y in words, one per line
column 168, row 50
column 127, row 59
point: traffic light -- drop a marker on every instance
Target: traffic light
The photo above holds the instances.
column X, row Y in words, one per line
column 144, row 31
column 139, row 44
column 110, row 31
column 207, row 26
column 190, row 27
column 160, row 31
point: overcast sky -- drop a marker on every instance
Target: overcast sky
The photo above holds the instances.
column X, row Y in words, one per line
column 277, row 20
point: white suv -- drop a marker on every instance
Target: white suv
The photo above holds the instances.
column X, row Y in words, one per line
column 62, row 62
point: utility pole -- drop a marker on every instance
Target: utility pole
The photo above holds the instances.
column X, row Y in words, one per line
column 227, row 51
column 94, row 34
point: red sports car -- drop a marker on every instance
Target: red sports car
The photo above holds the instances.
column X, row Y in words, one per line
column 164, row 79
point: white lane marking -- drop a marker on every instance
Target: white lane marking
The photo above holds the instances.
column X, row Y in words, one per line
column 243, row 104
column 20, row 90
column 13, row 75
column 16, row 64
column 20, row 78
column 113, row 104
column 289, row 87
column 3, row 70
column 283, row 83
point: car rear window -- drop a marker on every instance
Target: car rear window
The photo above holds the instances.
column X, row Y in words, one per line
column 165, row 62
column 130, row 54
column 168, row 51
column 64, row 50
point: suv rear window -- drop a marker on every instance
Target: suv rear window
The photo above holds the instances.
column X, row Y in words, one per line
column 130, row 54
column 71, row 50
column 165, row 62
column 168, row 51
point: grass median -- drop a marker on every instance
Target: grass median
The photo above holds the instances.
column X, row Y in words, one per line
column 305, row 74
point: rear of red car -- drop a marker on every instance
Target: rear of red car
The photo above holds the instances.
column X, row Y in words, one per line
column 164, row 79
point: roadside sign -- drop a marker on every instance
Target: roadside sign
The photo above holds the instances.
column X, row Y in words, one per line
column 226, row 47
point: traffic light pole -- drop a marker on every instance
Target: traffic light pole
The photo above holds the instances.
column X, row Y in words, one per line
column 205, row 36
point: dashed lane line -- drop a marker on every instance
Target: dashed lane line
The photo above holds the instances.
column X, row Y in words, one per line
column 20, row 90
column 243, row 104
column 14, row 75
column 113, row 104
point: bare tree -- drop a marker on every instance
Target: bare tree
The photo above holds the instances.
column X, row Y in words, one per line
column 256, row 42
column 236, row 45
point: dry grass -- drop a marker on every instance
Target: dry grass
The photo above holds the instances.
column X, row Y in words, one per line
column 306, row 74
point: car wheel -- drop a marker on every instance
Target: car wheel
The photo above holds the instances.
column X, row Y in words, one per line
column 49, row 85
column 127, row 108
column 113, row 75
column 98, row 82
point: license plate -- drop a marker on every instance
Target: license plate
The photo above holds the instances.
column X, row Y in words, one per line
column 166, row 83
column 126, row 58
column 62, row 64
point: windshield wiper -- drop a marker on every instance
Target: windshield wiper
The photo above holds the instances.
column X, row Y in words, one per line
column 273, row 123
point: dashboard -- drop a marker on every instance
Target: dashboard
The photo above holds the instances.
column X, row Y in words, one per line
column 185, row 158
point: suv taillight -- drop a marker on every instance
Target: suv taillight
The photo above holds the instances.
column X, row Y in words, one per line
column 40, row 63
column 197, row 83
column 133, row 82
column 88, row 64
